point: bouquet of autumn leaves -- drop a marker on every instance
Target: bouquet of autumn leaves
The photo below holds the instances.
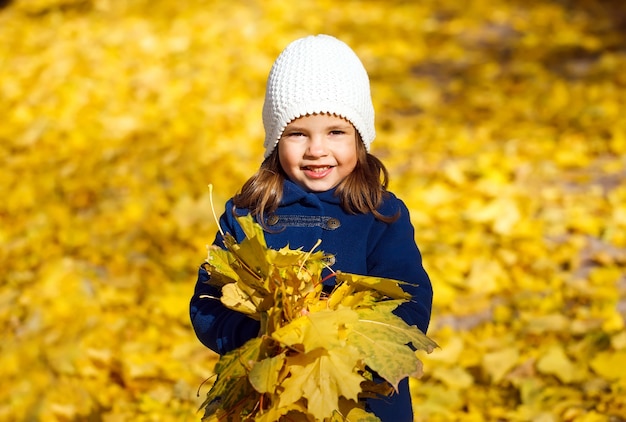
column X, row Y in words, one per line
column 317, row 354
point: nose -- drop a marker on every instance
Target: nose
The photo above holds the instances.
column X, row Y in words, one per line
column 317, row 147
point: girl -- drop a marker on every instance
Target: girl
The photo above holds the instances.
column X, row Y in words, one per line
column 319, row 181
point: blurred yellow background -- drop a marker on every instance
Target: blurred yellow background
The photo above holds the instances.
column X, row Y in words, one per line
column 501, row 122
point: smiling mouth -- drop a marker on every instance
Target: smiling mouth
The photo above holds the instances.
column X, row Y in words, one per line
column 317, row 172
column 317, row 169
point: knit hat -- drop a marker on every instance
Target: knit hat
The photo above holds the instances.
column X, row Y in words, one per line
column 317, row 74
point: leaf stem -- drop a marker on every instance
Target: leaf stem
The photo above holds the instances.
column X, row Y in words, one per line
column 308, row 254
column 213, row 209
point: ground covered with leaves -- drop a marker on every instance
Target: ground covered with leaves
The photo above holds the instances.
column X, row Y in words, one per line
column 501, row 123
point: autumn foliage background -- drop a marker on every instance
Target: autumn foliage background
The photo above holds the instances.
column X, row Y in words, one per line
column 501, row 123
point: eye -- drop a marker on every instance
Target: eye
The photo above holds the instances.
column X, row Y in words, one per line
column 293, row 134
column 337, row 132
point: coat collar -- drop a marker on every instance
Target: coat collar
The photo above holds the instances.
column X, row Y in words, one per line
column 293, row 193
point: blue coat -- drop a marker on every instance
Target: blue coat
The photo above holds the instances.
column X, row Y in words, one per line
column 360, row 243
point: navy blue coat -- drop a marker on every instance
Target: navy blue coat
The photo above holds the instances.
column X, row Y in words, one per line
column 360, row 243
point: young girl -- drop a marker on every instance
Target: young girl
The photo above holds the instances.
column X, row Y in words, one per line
column 319, row 181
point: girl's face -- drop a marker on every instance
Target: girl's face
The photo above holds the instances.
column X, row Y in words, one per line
column 318, row 151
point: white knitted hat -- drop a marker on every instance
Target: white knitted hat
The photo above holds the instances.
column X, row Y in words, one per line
column 317, row 74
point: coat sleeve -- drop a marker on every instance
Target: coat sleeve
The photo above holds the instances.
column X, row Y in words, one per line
column 216, row 326
column 394, row 254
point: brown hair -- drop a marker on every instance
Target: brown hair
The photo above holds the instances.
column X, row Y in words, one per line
column 362, row 191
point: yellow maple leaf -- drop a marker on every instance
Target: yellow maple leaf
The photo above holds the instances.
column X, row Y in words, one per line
column 498, row 363
column 321, row 377
column 610, row 365
column 554, row 361
column 324, row 329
